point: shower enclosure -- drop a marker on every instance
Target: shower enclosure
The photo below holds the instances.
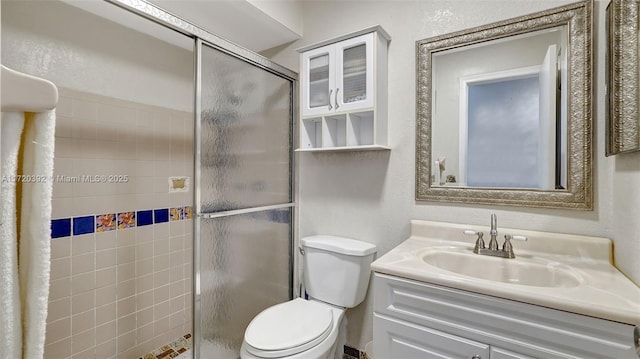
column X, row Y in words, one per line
column 243, row 200
column 243, row 188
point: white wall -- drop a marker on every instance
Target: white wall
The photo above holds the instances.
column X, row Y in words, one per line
column 287, row 12
column 87, row 53
column 371, row 195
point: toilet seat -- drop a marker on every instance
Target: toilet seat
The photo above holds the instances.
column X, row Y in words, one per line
column 288, row 328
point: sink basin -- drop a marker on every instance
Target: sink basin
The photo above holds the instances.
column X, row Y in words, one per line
column 521, row 271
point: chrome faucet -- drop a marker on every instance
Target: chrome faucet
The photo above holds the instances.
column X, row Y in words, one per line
column 493, row 249
column 493, row 243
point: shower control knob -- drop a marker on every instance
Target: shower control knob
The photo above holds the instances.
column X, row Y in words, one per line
column 476, row 357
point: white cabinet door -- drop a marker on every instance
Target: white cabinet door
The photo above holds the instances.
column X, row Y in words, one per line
column 396, row 339
column 318, row 81
column 354, row 73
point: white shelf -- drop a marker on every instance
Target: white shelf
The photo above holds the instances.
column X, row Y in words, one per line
column 353, row 74
column 318, row 81
column 341, row 131
column 345, row 149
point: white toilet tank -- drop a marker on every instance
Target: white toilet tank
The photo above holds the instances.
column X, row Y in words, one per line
column 336, row 270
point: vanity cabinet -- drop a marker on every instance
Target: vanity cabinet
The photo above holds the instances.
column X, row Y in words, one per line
column 343, row 92
column 419, row 320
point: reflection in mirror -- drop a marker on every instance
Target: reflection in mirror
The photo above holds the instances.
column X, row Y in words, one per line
column 504, row 112
column 511, row 113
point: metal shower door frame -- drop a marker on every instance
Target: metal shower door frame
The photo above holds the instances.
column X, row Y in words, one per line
column 197, row 180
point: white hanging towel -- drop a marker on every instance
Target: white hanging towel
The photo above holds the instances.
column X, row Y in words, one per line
column 10, row 327
column 25, row 233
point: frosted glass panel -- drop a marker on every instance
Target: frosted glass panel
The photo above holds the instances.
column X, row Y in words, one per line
column 319, row 81
column 503, row 134
column 245, row 135
column 244, row 268
column 355, row 74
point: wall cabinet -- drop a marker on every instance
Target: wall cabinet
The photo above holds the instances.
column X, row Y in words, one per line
column 343, row 92
column 420, row 320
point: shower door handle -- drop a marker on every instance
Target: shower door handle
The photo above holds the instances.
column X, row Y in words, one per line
column 330, row 92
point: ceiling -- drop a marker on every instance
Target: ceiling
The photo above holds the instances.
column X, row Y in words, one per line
column 238, row 21
column 253, row 24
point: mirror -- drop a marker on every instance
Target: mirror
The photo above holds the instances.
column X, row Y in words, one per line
column 623, row 77
column 504, row 112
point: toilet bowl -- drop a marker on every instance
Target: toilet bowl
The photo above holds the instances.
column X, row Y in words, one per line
column 336, row 275
column 297, row 329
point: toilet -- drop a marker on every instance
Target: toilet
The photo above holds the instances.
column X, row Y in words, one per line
column 336, row 275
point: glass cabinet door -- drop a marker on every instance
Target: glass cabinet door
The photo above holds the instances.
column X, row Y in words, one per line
column 354, row 73
column 354, row 88
column 318, row 81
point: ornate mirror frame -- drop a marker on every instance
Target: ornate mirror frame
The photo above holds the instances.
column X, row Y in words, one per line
column 579, row 192
column 623, row 77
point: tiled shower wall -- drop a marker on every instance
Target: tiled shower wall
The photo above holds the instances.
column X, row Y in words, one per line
column 119, row 292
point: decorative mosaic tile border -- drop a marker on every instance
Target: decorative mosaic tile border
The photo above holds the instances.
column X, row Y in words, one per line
column 172, row 349
column 65, row 227
column 354, row 353
column 105, row 222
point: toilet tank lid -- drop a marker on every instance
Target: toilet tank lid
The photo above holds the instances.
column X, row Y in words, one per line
column 340, row 245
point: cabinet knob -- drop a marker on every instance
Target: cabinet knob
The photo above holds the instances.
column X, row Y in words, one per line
column 330, row 92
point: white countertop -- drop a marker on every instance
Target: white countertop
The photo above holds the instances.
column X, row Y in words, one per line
column 603, row 292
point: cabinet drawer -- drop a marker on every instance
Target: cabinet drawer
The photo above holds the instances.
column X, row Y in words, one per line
column 532, row 330
column 397, row 339
column 498, row 353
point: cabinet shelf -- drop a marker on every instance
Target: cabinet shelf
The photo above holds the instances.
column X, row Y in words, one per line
column 355, row 74
column 346, row 131
column 318, row 81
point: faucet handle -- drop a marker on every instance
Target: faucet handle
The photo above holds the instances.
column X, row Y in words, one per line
column 516, row 237
column 507, row 247
column 479, row 241
column 520, row 238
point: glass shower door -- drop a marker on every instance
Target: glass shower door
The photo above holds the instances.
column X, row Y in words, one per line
column 244, row 200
